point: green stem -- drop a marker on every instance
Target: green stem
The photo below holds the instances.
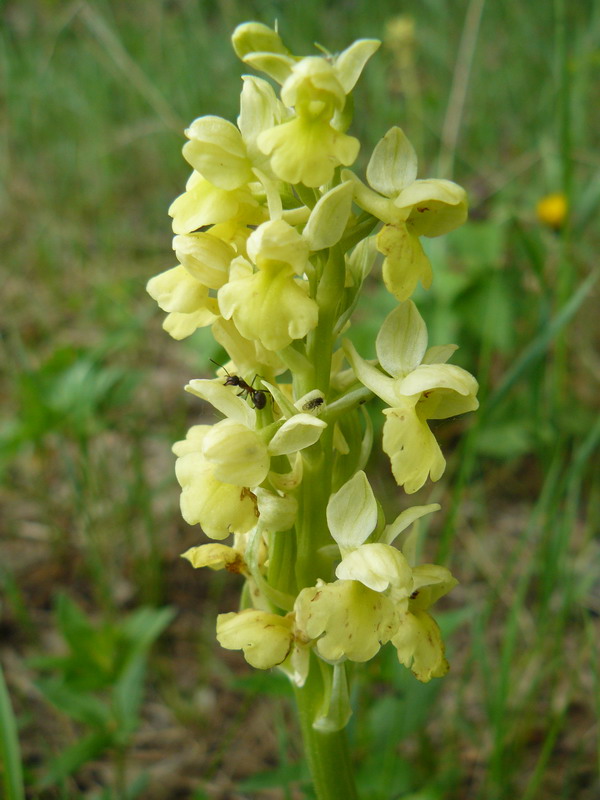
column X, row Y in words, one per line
column 311, row 523
column 320, row 340
column 327, row 753
column 282, row 557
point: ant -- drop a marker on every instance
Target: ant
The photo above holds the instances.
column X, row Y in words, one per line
column 259, row 396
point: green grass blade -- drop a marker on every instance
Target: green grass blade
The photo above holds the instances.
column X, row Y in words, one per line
column 9, row 747
column 547, row 749
column 539, row 345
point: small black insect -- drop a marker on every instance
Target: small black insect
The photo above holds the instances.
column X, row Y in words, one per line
column 314, row 403
column 258, row 396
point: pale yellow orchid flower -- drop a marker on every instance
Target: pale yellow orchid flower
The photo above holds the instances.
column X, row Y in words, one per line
column 220, row 508
column 418, row 386
column 185, row 298
column 346, row 618
column 265, row 638
column 204, row 204
column 418, row 639
column 220, row 467
column 307, row 148
column 410, row 208
column 270, row 305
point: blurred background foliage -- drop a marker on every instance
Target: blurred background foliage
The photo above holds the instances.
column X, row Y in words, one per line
column 502, row 97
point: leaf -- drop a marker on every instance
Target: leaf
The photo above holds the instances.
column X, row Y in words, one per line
column 73, row 624
column 144, row 626
column 93, row 657
column 80, row 706
column 73, row 757
column 275, row 778
column 127, row 697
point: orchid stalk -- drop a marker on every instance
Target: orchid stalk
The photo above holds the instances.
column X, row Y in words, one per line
column 275, row 237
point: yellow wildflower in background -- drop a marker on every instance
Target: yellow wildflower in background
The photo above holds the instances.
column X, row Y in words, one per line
column 552, row 210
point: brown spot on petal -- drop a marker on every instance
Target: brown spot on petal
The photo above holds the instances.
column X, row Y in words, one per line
column 245, row 492
column 238, row 566
column 421, row 210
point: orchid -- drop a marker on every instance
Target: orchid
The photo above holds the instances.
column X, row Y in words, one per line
column 417, row 385
column 409, row 208
column 275, row 241
column 270, row 304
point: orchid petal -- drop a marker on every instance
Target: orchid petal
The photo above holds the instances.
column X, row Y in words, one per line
column 224, row 399
column 393, row 163
column 413, row 450
column 298, row 432
column 377, row 566
column 402, row 340
column 371, row 377
column 352, row 512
